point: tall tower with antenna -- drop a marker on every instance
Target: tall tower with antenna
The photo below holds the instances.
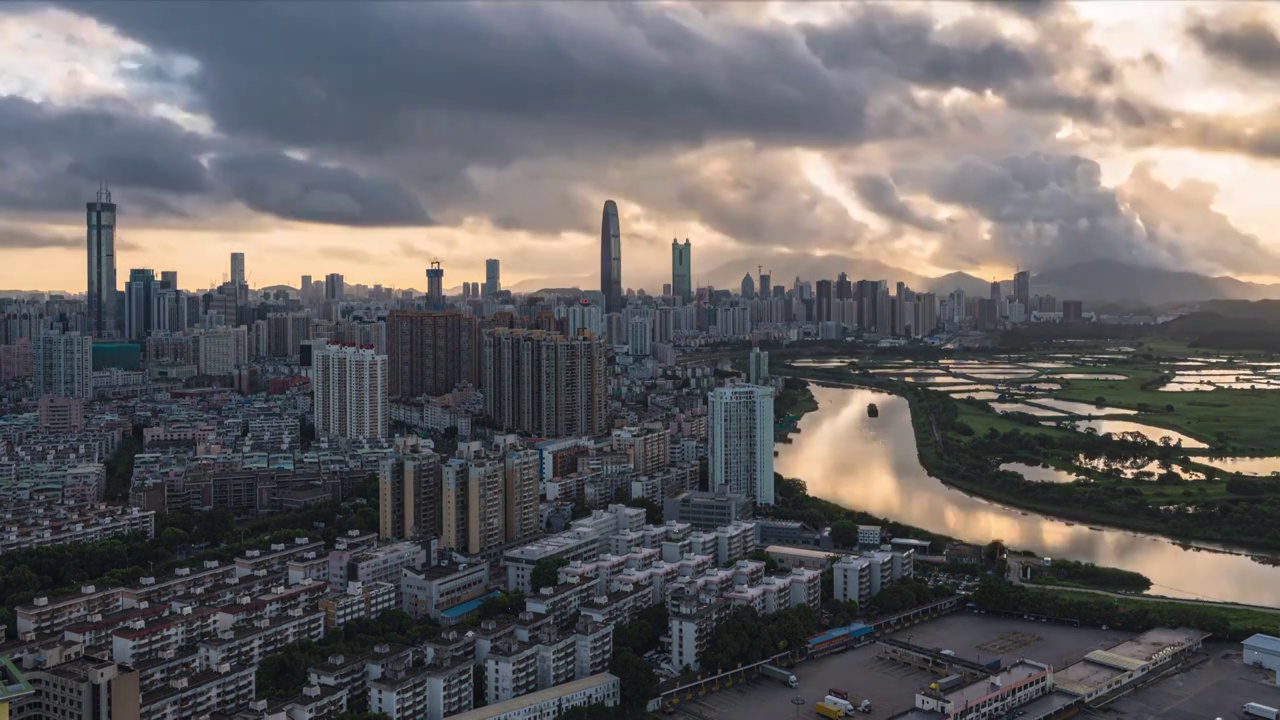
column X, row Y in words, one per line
column 100, row 221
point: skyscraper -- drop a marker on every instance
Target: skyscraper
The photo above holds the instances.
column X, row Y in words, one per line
column 741, row 440
column 765, row 288
column 140, row 295
column 101, row 244
column 304, row 288
column 682, row 269
column 64, row 365
column 350, row 386
column 748, row 287
column 1022, row 288
column 429, row 353
column 409, row 496
column 822, row 307
column 237, row 269
column 435, row 286
column 492, row 277
column 168, row 279
column 611, row 258
column 995, row 291
column 544, row 383
column 334, row 287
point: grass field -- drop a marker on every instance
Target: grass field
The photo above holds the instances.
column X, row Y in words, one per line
column 1229, row 420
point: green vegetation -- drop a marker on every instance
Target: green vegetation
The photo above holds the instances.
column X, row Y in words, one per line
column 746, row 636
column 904, row 595
column 119, row 469
column 1133, row 615
column 794, row 401
column 546, row 573
column 1088, row 575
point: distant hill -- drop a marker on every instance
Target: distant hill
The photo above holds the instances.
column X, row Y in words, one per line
column 1229, row 325
column 1104, row 281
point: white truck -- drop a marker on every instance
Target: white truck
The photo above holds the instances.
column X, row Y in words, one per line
column 1259, row 710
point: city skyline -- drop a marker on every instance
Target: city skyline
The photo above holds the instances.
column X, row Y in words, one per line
column 1123, row 131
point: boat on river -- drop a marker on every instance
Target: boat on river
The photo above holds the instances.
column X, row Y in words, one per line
column 872, row 410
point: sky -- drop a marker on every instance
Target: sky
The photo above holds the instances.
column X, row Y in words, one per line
column 371, row 138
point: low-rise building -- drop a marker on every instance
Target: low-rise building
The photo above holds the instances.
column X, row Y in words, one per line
column 429, row 591
column 603, row 689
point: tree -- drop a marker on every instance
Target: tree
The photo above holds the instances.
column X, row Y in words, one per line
column 546, row 573
column 845, row 533
column 636, row 678
column 587, row 712
column 652, row 513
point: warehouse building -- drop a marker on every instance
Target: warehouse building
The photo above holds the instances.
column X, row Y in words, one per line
column 1262, row 651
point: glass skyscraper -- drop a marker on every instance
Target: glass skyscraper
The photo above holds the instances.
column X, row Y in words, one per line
column 101, row 245
column 611, row 258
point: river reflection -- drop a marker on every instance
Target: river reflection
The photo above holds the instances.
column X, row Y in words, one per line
column 870, row 464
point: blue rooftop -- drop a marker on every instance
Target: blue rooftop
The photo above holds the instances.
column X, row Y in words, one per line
column 856, row 630
column 1266, row 643
column 467, row 607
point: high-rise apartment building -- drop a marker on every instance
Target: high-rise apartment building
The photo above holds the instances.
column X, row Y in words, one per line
column 429, row 353
column 64, row 365
column 141, row 294
column 611, row 258
column 409, row 487
column 1022, row 287
column 221, row 351
column 474, row 512
column 237, row 269
column 522, row 472
column 682, row 270
column 350, row 388
column 740, row 439
column 545, row 384
column 492, row 277
column 101, row 245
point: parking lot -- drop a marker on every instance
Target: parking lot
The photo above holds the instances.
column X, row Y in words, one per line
column 890, row 687
column 983, row 637
column 1216, row 688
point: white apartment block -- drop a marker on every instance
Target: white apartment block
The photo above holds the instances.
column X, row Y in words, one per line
column 860, row 578
column 64, row 365
column 350, row 392
column 360, row 601
column 741, row 440
column 222, row 350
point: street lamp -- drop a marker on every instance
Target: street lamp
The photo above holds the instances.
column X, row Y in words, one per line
column 797, row 701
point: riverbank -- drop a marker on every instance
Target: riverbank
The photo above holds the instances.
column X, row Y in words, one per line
column 1120, row 505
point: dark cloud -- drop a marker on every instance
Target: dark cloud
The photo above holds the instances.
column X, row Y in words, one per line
column 909, row 46
column 1249, row 43
column 305, row 191
column 1049, row 210
column 13, row 238
column 1052, row 211
column 376, row 75
column 50, row 157
column 880, row 195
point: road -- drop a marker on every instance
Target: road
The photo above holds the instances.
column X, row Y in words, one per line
column 1015, row 575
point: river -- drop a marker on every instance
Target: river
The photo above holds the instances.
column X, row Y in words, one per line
column 871, row 464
